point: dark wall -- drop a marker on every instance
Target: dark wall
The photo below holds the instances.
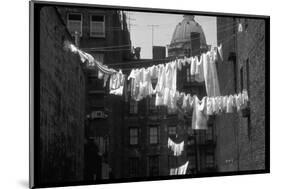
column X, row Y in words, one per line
column 62, row 95
column 241, row 139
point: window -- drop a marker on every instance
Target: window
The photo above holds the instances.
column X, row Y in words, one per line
column 74, row 23
column 153, row 163
column 190, row 131
column 192, row 162
column 133, row 167
column 209, row 133
column 134, row 136
column 152, row 106
column 133, row 107
column 210, row 160
column 153, row 135
column 97, row 26
column 172, row 130
column 172, row 161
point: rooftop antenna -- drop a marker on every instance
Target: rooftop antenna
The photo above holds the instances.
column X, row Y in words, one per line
column 152, row 31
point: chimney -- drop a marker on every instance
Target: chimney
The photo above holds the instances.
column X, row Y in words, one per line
column 158, row 52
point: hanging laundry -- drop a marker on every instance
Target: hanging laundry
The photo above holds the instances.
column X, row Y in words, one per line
column 193, row 65
column 116, row 83
column 179, row 64
column 224, row 103
column 166, row 86
column 245, row 98
column 238, row 101
column 229, row 107
column 176, row 148
column 220, row 52
column 153, row 71
column 219, row 100
column 199, row 117
column 210, row 74
column 105, row 78
column 199, row 71
column 180, row 170
column 209, row 106
column 240, row 27
column 100, row 75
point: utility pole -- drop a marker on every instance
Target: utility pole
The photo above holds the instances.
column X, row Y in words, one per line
column 129, row 18
column 152, row 31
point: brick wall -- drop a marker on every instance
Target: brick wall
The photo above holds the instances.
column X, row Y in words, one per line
column 62, row 95
column 251, row 49
column 241, row 140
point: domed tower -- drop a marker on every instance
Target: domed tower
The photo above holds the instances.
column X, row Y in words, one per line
column 188, row 38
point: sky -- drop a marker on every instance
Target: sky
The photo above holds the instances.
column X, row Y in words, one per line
column 141, row 31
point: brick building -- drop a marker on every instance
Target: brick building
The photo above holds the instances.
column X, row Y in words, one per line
column 146, row 128
column 62, row 104
column 100, row 136
column 104, row 34
column 241, row 136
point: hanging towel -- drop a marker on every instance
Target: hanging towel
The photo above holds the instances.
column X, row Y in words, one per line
column 199, row 116
column 199, row 73
column 176, row 148
column 180, row 170
column 210, row 74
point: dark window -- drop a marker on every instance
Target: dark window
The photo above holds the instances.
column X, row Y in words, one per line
column 133, row 107
column 172, row 130
column 134, row 136
column 152, row 106
column 98, row 18
column 74, row 23
column 97, row 26
column 209, row 133
column 133, row 167
column 153, row 165
column 153, row 135
column 77, row 17
column 172, row 161
column 192, row 162
column 210, row 160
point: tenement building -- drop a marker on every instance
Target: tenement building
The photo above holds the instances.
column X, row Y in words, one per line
column 104, row 34
column 241, row 136
column 147, row 127
column 62, row 104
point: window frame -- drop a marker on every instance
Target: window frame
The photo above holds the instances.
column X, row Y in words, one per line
column 134, row 137
column 81, row 24
column 172, row 126
column 104, row 31
column 151, row 104
column 150, row 136
column 134, row 166
column 153, row 166
column 133, row 107
column 210, row 164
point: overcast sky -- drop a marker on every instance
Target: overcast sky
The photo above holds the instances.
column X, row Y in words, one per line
column 141, row 32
